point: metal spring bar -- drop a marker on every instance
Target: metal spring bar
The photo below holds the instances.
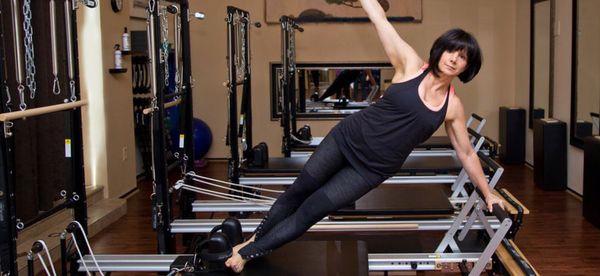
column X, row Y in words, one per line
column 56, row 82
column 152, row 50
column 153, row 75
column 70, row 54
column 17, row 40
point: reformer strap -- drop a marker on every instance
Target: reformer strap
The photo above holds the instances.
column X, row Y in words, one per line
column 192, row 174
column 226, row 196
column 227, row 188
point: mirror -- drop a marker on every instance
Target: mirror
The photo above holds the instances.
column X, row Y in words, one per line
column 541, row 60
column 585, row 93
column 327, row 90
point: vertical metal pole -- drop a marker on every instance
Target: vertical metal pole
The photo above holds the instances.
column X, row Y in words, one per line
column 17, row 41
column 234, row 161
column 165, row 239
column 302, row 91
column 291, row 57
column 63, row 254
column 188, row 105
column 80, row 205
column 285, row 111
column 247, row 90
column 30, row 265
column 8, row 220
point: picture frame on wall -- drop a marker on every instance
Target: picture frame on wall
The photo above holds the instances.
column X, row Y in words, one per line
column 138, row 9
column 340, row 10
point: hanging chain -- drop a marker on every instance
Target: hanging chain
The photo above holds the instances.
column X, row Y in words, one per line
column 72, row 87
column 243, row 29
column 164, row 27
column 21, row 90
column 178, row 73
column 54, row 47
column 29, row 51
column 229, row 20
column 292, row 49
column 236, row 36
column 239, row 52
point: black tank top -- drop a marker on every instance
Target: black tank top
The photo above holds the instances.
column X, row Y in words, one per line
column 377, row 140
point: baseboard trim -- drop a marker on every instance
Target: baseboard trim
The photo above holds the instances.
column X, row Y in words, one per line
column 575, row 194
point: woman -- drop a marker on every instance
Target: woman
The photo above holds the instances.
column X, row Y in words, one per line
column 366, row 148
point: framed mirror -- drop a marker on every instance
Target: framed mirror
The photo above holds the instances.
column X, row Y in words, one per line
column 541, row 61
column 585, row 84
column 331, row 90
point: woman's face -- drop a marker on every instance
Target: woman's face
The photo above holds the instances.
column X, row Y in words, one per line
column 453, row 63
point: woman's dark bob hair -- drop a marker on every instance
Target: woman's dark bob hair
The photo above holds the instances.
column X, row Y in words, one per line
column 457, row 40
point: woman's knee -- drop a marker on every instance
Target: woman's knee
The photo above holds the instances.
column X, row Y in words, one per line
column 315, row 208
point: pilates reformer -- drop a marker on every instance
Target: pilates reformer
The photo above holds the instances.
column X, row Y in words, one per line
column 355, row 256
column 472, row 217
column 249, row 201
column 243, row 202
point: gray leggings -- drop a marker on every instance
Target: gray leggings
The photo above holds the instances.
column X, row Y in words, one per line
column 327, row 183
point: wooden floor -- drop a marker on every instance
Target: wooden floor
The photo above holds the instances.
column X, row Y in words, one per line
column 555, row 237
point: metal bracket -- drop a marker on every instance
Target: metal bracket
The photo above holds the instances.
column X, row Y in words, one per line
column 7, row 129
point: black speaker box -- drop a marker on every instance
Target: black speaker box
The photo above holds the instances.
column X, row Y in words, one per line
column 512, row 135
column 550, row 154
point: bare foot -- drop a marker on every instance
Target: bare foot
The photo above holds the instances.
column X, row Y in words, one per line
column 236, row 263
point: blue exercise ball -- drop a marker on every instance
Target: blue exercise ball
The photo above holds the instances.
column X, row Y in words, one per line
column 202, row 138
